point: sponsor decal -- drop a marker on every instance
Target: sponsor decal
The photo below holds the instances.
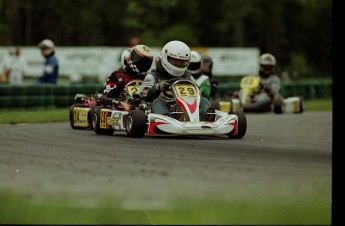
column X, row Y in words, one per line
column 113, row 121
column 103, row 119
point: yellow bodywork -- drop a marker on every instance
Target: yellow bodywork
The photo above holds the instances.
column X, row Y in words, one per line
column 81, row 117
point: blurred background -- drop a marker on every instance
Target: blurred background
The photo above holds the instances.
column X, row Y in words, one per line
column 91, row 35
column 297, row 32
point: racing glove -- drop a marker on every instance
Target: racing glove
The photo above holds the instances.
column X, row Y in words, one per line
column 163, row 86
column 97, row 97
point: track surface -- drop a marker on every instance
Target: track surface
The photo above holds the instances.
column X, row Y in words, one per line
column 288, row 154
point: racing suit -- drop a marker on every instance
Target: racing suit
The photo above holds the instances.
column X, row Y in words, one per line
column 160, row 99
column 204, row 84
column 117, row 81
column 271, row 87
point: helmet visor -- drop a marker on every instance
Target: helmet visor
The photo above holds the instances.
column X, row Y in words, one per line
column 267, row 67
column 194, row 66
column 178, row 62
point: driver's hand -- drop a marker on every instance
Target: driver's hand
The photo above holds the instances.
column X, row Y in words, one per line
column 265, row 88
column 163, row 86
column 97, row 97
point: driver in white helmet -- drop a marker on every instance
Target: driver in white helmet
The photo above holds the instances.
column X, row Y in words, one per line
column 172, row 62
column 124, row 56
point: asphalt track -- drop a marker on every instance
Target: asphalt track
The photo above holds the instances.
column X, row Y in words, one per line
column 287, row 154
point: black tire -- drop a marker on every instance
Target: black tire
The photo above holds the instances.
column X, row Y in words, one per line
column 136, row 123
column 242, row 125
column 96, row 120
column 278, row 107
column 71, row 114
column 89, row 118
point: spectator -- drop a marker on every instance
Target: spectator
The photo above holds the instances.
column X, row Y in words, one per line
column 51, row 65
column 7, row 58
column 134, row 41
column 14, row 67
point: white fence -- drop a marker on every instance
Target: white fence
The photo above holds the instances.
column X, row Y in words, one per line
column 76, row 62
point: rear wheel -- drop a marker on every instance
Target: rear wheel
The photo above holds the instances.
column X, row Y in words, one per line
column 136, row 123
column 96, row 121
column 241, row 126
column 72, row 115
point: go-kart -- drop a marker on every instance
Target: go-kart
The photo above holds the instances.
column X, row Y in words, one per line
column 254, row 98
column 184, row 118
column 229, row 105
column 80, row 111
column 111, row 114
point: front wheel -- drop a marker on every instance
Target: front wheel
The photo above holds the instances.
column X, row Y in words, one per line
column 136, row 123
column 241, row 126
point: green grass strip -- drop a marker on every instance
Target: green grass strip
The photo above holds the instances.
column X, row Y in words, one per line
column 312, row 209
column 14, row 116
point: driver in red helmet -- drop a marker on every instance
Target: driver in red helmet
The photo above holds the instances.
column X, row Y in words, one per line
column 136, row 66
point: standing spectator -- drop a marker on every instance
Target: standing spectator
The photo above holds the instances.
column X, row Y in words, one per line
column 15, row 67
column 51, row 65
column 7, row 58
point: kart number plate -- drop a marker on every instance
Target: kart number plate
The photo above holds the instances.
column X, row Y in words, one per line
column 185, row 90
column 133, row 89
column 250, row 82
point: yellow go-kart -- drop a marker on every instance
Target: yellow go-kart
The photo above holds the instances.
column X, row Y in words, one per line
column 254, row 98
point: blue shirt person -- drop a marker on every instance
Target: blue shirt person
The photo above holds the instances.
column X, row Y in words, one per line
column 51, row 65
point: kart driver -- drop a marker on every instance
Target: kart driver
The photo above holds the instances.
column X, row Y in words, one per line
column 172, row 62
column 206, row 69
column 270, row 86
column 135, row 67
column 203, row 81
column 124, row 57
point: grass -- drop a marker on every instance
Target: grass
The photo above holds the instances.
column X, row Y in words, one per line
column 62, row 114
column 312, row 209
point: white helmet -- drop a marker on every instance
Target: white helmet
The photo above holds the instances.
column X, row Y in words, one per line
column 267, row 65
column 175, row 57
column 124, row 56
column 195, row 63
column 47, row 46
